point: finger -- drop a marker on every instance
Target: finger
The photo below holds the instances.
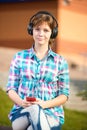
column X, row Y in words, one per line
column 38, row 99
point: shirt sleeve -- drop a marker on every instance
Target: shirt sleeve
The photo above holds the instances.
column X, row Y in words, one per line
column 14, row 75
column 63, row 77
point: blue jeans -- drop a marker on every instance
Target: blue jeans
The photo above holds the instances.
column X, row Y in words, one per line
column 33, row 118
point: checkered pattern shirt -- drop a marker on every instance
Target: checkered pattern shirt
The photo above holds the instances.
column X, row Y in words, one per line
column 44, row 79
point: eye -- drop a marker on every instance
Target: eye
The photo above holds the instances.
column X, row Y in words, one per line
column 46, row 30
column 37, row 29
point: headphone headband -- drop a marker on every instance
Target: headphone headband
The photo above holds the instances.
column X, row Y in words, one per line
column 47, row 13
column 54, row 31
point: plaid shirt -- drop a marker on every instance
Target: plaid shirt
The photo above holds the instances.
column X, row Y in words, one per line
column 44, row 79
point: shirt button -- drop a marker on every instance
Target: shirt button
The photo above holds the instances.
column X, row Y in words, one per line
column 37, row 74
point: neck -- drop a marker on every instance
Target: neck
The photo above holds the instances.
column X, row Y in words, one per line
column 41, row 51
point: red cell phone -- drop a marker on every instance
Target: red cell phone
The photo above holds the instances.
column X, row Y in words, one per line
column 31, row 99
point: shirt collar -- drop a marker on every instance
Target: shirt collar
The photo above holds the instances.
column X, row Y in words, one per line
column 31, row 52
column 50, row 52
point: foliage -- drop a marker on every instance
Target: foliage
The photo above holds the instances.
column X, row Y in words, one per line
column 83, row 94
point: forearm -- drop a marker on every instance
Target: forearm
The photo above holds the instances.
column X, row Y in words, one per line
column 60, row 100
column 15, row 97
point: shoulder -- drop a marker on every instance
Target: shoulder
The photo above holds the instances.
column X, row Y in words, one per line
column 58, row 57
column 23, row 53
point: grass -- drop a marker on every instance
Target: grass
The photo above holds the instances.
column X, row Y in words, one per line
column 5, row 106
column 74, row 120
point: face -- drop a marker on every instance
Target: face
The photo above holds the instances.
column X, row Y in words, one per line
column 42, row 33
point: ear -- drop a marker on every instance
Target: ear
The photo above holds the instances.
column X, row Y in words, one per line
column 30, row 29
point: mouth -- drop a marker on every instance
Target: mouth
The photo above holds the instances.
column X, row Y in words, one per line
column 40, row 39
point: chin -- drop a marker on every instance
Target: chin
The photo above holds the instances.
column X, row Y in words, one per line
column 41, row 43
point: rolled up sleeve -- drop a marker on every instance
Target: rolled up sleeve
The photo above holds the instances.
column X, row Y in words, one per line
column 64, row 78
column 14, row 75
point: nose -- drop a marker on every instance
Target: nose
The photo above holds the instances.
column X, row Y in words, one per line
column 41, row 32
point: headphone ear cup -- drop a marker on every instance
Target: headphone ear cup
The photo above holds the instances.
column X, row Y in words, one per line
column 30, row 29
column 54, row 33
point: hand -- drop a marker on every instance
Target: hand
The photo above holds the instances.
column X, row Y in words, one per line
column 40, row 102
column 25, row 103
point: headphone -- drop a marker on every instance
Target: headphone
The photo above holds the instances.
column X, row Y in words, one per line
column 30, row 25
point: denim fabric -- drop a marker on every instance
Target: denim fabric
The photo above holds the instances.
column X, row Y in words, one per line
column 33, row 118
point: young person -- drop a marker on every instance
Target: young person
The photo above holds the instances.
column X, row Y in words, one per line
column 40, row 73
